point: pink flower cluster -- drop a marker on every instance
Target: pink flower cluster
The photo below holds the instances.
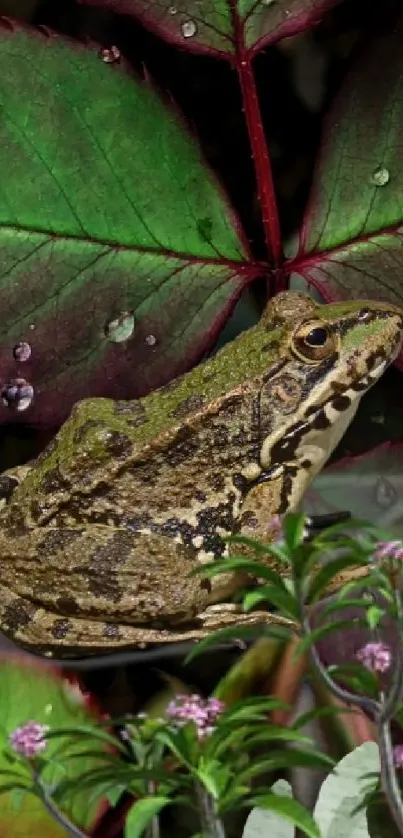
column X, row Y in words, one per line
column 375, row 656
column 29, row 740
column 388, row 550
column 203, row 712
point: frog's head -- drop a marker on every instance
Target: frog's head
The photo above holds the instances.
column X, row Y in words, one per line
column 330, row 355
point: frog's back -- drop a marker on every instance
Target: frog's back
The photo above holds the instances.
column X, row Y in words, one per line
column 114, row 456
column 101, row 429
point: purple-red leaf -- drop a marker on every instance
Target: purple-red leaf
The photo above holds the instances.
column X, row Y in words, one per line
column 352, row 237
column 229, row 28
column 120, row 257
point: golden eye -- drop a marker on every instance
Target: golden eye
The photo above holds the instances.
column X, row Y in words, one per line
column 313, row 341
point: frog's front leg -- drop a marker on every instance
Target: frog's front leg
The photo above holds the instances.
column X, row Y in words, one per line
column 11, row 479
column 262, row 503
column 71, row 591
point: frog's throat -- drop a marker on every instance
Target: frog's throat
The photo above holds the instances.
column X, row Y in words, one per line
column 322, row 424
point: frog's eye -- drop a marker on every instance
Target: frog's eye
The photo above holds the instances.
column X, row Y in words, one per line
column 313, row 341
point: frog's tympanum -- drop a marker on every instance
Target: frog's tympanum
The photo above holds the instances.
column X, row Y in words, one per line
column 98, row 539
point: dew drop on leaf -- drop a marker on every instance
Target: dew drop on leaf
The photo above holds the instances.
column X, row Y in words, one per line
column 121, row 328
column 172, row 10
column 385, row 493
column 17, row 394
column 380, row 176
column 110, row 54
column 188, row 29
column 22, row 351
column 151, row 340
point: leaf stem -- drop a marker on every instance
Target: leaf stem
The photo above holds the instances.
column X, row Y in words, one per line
column 261, row 157
column 211, row 824
column 49, row 804
column 395, row 697
column 389, row 781
column 371, row 706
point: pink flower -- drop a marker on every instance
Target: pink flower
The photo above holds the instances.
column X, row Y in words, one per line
column 375, row 656
column 398, row 756
column 388, row 550
column 193, row 708
column 29, row 740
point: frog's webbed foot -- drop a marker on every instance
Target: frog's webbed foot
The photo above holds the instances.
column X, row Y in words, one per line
column 228, row 614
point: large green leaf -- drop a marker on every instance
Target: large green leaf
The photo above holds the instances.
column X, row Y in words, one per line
column 352, row 238
column 222, row 26
column 33, row 692
column 120, row 257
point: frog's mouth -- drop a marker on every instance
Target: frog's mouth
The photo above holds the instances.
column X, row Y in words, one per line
column 301, row 451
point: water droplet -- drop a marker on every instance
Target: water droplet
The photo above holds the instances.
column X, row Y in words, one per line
column 385, row 493
column 48, row 709
column 109, row 55
column 121, row 328
column 380, row 176
column 151, row 340
column 188, row 29
column 172, row 10
column 17, row 393
column 22, row 351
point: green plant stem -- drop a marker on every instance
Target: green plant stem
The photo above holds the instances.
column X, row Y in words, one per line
column 153, row 830
column 394, row 700
column 57, row 815
column 372, row 707
column 211, row 824
column 389, row 781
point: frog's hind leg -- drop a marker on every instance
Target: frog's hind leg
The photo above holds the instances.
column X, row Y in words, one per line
column 47, row 632
column 84, row 589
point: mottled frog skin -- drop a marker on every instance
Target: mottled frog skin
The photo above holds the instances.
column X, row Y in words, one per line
column 98, row 538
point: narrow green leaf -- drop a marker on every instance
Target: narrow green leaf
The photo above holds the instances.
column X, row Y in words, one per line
column 290, row 809
column 282, row 599
column 292, row 758
column 328, row 572
column 274, row 630
column 293, row 529
column 254, row 568
column 374, row 615
column 141, row 814
column 319, row 633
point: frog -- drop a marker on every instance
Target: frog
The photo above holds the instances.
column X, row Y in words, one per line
column 101, row 535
